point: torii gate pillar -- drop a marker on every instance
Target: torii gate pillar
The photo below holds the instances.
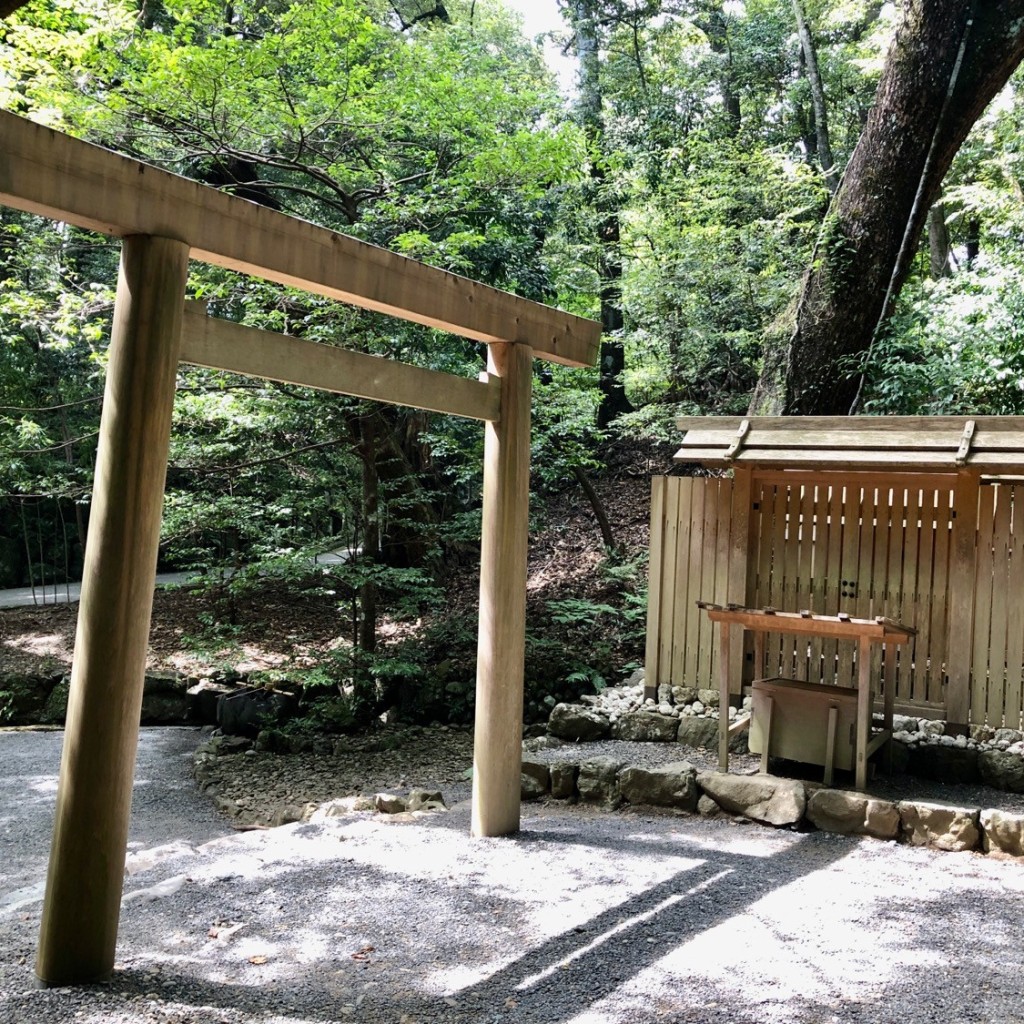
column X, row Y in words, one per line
column 497, row 744
column 83, row 890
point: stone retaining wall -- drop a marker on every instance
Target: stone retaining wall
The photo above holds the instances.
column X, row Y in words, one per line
column 781, row 803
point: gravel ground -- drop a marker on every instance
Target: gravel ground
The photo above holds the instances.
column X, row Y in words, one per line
column 583, row 918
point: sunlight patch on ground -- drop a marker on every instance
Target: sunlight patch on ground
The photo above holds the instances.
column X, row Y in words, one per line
column 42, row 645
column 783, row 949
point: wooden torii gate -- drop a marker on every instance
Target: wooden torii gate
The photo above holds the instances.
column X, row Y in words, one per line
column 165, row 220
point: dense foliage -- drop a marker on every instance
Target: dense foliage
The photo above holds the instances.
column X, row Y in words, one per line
column 678, row 194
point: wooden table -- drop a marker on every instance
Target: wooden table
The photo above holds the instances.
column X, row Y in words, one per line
column 766, row 620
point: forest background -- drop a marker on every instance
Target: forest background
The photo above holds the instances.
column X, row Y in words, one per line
column 686, row 193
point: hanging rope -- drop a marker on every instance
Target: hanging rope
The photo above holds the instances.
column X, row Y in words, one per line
column 918, row 196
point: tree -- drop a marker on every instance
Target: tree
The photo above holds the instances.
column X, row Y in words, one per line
column 946, row 62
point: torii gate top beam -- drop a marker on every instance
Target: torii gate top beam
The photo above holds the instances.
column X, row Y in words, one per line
column 45, row 172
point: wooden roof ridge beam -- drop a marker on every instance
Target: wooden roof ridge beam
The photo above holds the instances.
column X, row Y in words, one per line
column 45, row 172
column 225, row 345
column 852, row 424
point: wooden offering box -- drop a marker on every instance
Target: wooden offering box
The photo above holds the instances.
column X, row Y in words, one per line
column 805, row 722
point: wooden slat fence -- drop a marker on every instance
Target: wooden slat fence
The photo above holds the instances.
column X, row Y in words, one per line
column 840, row 544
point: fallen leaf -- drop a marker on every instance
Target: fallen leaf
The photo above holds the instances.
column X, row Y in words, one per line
column 258, row 959
column 364, row 953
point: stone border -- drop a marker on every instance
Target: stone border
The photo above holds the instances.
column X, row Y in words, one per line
column 782, row 803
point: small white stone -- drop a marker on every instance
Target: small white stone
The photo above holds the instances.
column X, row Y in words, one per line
column 698, row 708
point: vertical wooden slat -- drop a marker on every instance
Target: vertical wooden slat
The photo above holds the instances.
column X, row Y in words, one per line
column 909, row 610
column 1014, row 621
column 879, row 541
column 678, row 492
column 1000, row 606
column 817, row 599
column 961, row 618
column 894, row 586
column 774, row 641
column 707, row 655
column 805, row 589
column 833, row 590
column 982, row 708
column 696, row 673
column 657, row 579
column 923, row 590
column 755, row 590
column 848, row 573
column 724, row 526
column 739, row 557
column 940, row 599
column 788, row 644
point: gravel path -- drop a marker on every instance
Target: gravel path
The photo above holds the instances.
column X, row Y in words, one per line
column 584, row 918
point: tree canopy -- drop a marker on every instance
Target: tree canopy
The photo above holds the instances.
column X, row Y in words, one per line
column 724, row 189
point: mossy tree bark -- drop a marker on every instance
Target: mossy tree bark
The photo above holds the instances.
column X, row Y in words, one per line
column 947, row 60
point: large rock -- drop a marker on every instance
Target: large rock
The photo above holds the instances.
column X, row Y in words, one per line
column 672, row 785
column 1002, row 770
column 647, row 727
column 165, row 699
column 1002, row 832
column 563, row 780
column 944, row 764
column 938, row 825
column 535, row 780
column 761, row 798
column 577, row 723
column 202, row 700
column 247, row 712
column 56, row 708
column 698, row 732
column 23, row 699
column 702, row 733
column 598, row 781
column 835, row 810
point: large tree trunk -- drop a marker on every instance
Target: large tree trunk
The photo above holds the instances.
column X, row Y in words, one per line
column 948, row 59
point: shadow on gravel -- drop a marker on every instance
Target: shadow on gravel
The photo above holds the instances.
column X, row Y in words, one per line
column 475, row 925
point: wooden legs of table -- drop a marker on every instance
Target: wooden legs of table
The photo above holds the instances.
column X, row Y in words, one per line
column 830, row 743
column 723, row 698
column 863, row 711
column 889, row 699
column 769, row 711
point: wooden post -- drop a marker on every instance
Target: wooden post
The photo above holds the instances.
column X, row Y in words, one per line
column 724, row 677
column 497, row 747
column 960, row 612
column 863, row 712
column 83, row 891
column 739, row 561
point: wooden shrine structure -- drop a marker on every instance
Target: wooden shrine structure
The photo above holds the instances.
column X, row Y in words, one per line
column 164, row 221
column 916, row 520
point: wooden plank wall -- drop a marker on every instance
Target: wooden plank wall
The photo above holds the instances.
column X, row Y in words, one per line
column 691, row 545
column 864, row 547
column 997, row 669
